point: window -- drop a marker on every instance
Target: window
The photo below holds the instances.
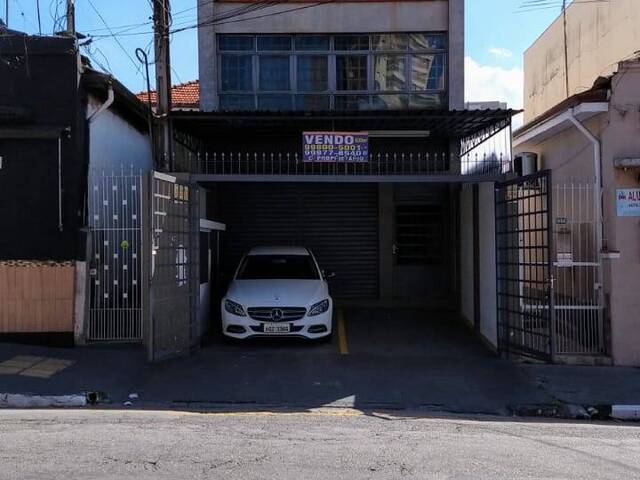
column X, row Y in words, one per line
column 274, row 73
column 234, row 43
column 384, row 71
column 389, row 73
column 351, row 72
column 278, row 267
column 427, row 72
column 389, row 42
column 351, row 42
column 236, row 73
column 276, row 43
column 316, row 43
column 237, row 102
column 312, row 73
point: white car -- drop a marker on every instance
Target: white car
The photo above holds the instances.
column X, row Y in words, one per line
column 278, row 291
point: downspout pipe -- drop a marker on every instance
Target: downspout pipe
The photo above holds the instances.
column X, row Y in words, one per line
column 105, row 106
column 597, row 168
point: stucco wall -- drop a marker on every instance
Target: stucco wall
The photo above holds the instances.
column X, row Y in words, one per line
column 466, row 254
column 599, row 34
column 114, row 143
column 487, row 260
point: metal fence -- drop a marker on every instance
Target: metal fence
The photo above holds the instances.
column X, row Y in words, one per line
column 116, row 255
column 578, row 307
column 379, row 164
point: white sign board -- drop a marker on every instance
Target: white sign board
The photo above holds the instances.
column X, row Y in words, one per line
column 628, row 202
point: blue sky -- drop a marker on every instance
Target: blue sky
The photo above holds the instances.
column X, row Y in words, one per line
column 497, row 35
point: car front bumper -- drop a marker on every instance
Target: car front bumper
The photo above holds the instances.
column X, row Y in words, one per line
column 316, row 327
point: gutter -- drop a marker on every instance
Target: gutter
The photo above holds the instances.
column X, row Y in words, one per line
column 597, row 168
column 105, row 106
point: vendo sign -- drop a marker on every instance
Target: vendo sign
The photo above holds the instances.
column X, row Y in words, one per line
column 335, row 146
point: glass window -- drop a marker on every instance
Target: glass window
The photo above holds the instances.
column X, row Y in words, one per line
column 271, row 43
column 236, row 73
column 427, row 41
column 237, row 102
column 427, row 72
column 351, row 42
column 389, row 72
column 390, row 102
column 235, row 42
column 352, row 102
column 389, row 42
column 313, row 102
column 274, row 73
column 312, row 42
column 426, row 100
column 275, row 103
column 312, row 73
column 351, row 72
column 274, row 267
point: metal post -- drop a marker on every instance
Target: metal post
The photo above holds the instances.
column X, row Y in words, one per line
column 6, row 13
column 161, row 15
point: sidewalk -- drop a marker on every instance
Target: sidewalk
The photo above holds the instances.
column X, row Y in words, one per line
column 308, row 377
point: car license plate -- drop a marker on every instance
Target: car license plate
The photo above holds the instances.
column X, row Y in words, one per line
column 277, row 328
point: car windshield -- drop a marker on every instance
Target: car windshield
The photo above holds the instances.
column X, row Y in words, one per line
column 280, row 267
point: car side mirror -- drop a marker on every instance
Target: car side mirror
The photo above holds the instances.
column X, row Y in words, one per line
column 328, row 274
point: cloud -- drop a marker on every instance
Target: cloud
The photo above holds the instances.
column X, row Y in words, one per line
column 501, row 52
column 485, row 83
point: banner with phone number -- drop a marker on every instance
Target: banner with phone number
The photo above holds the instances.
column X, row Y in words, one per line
column 335, row 146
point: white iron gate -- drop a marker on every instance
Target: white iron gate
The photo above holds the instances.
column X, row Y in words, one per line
column 116, row 256
column 578, row 306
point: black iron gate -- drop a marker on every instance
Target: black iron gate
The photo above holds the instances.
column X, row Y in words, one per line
column 524, row 280
column 174, row 275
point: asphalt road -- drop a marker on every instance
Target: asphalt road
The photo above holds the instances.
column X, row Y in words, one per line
column 323, row 444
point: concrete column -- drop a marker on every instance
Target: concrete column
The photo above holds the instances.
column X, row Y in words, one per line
column 207, row 57
column 456, row 54
column 386, row 226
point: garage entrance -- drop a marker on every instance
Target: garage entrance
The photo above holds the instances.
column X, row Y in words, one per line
column 383, row 242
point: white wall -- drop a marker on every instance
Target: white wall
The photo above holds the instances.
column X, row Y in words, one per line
column 466, row 254
column 113, row 142
column 488, row 301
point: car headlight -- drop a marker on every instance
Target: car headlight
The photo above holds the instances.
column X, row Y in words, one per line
column 235, row 308
column 318, row 308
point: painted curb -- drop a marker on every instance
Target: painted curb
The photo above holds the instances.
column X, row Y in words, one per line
column 18, row 400
column 625, row 412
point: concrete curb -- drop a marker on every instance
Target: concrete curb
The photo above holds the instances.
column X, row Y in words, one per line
column 18, row 400
column 625, row 412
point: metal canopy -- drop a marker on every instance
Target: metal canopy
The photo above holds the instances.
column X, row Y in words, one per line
column 451, row 124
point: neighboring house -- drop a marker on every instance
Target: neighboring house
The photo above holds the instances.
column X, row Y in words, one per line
column 59, row 120
column 184, row 96
column 589, row 140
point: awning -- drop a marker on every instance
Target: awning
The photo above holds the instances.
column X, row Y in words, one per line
column 452, row 124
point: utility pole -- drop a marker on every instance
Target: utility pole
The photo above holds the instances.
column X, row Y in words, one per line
column 6, row 13
column 71, row 18
column 161, row 16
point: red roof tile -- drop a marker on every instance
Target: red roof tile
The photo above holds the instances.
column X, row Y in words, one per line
column 183, row 96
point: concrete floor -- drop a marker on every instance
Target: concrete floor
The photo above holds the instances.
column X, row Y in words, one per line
column 395, row 359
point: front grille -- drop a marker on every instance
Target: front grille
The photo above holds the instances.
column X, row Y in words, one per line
column 277, row 314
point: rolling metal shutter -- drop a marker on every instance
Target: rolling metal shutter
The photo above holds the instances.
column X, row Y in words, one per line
column 339, row 223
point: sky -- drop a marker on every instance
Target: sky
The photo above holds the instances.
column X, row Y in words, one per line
column 497, row 34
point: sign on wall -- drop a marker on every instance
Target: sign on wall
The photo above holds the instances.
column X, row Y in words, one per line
column 628, row 202
column 335, row 146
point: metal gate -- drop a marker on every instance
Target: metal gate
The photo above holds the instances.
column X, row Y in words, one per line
column 578, row 306
column 174, row 267
column 116, row 256
column 524, row 282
